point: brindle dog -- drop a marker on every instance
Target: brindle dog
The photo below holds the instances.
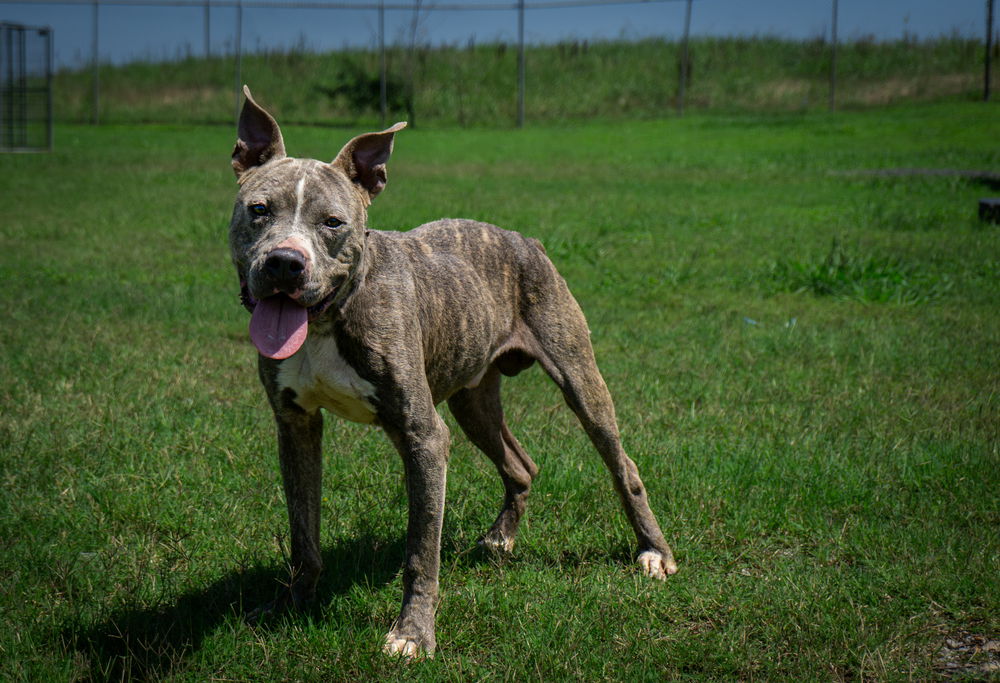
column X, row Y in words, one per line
column 380, row 327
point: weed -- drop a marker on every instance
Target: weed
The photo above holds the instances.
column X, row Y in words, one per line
column 868, row 278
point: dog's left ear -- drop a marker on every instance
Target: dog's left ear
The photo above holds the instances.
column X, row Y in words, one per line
column 363, row 158
column 259, row 138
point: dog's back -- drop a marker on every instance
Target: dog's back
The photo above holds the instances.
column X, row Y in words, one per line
column 474, row 285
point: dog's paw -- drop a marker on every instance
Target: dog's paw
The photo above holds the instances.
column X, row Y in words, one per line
column 287, row 601
column 261, row 613
column 655, row 565
column 496, row 544
column 400, row 646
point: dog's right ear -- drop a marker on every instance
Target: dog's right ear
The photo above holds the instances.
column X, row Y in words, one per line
column 259, row 138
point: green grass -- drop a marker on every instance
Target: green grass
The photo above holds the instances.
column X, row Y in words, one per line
column 476, row 85
column 843, row 273
column 823, row 465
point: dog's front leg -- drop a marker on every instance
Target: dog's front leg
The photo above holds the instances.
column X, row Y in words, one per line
column 423, row 445
column 300, row 436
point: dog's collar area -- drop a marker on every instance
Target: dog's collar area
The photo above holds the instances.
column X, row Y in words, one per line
column 315, row 311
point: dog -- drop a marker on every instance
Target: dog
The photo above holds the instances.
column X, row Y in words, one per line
column 380, row 327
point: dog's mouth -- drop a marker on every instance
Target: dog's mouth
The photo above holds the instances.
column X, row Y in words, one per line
column 279, row 324
column 314, row 311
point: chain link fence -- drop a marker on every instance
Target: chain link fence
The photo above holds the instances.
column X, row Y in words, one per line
column 26, row 107
column 394, row 67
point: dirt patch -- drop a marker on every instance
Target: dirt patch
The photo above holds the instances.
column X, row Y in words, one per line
column 969, row 656
column 919, row 87
column 784, row 89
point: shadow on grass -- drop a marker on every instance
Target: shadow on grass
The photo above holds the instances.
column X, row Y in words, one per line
column 143, row 644
column 150, row 643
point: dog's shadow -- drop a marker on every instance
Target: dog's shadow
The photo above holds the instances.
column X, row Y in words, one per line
column 142, row 644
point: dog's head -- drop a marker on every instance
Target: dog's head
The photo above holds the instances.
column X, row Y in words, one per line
column 297, row 234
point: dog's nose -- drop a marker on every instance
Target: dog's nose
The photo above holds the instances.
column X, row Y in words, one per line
column 285, row 267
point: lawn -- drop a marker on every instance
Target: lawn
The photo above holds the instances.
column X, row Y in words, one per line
column 804, row 356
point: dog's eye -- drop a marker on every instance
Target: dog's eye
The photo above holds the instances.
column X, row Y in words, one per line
column 332, row 222
column 258, row 209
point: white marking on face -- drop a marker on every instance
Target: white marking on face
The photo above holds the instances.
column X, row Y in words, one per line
column 300, row 193
column 321, row 378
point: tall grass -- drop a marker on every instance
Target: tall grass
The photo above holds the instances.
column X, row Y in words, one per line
column 843, row 272
column 476, row 84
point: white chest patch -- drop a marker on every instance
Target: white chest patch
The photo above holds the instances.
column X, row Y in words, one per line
column 321, row 378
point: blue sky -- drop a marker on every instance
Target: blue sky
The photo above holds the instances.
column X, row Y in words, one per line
column 156, row 33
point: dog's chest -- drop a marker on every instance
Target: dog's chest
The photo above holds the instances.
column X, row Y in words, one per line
column 321, row 378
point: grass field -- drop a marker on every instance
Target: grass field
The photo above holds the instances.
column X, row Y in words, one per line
column 804, row 357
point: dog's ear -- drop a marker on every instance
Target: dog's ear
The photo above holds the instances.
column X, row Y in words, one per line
column 259, row 138
column 363, row 158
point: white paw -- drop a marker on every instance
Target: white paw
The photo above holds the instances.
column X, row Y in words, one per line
column 403, row 647
column 501, row 546
column 656, row 566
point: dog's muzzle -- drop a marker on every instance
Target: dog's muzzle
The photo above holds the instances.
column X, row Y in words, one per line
column 279, row 324
column 315, row 311
column 285, row 270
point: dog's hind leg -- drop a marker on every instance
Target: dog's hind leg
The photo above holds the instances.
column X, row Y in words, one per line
column 564, row 351
column 480, row 415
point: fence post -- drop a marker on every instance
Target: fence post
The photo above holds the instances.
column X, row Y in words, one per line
column 7, row 115
column 7, row 93
column 989, row 50
column 833, row 59
column 95, row 71
column 682, row 83
column 208, row 31
column 520, row 63
column 22, row 78
column 383, row 98
column 239, row 58
column 49, row 97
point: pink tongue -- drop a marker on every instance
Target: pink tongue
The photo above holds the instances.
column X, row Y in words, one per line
column 278, row 326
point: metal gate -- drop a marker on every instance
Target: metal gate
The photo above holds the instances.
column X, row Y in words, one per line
column 25, row 88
